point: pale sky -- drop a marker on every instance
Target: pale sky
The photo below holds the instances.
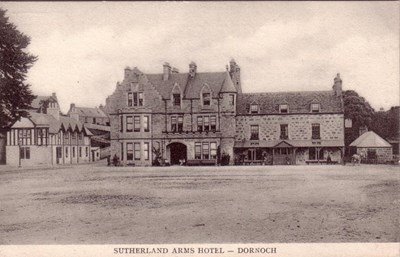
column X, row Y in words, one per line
column 84, row 47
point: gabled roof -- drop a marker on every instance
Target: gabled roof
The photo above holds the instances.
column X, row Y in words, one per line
column 90, row 112
column 36, row 102
column 228, row 86
column 190, row 86
column 299, row 102
column 370, row 139
column 54, row 125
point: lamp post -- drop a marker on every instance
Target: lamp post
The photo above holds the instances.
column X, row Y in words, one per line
column 19, row 150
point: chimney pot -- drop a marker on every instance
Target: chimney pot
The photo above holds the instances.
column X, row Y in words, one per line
column 166, row 71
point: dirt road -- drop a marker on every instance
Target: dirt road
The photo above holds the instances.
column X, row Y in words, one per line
column 97, row 205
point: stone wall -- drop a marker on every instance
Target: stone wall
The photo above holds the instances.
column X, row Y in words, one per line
column 383, row 154
column 331, row 126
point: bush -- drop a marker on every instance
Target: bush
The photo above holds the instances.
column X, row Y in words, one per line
column 225, row 159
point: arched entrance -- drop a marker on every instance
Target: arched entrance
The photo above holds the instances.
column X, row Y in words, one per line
column 178, row 153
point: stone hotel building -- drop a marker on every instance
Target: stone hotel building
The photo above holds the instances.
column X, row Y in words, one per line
column 195, row 117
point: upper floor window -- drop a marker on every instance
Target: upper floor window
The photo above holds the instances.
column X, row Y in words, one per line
column 129, row 124
column 177, row 99
column 146, row 123
column 137, row 151
column 316, row 131
column 135, row 99
column 232, row 99
column 315, row 108
column 206, row 99
column 136, row 124
column 283, row 108
column 213, row 122
column 177, row 123
column 207, row 123
column 284, row 131
column 254, row 108
column 200, row 123
column 254, row 132
column 129, row 151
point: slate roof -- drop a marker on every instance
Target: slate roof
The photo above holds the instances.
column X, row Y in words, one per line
column 190, row 86
column 90, row 112
column 299, row 102
column 47, row 120
column 370, row 139
column 36, row 102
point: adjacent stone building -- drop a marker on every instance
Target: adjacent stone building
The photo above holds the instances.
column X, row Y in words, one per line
column 195, row 117
column 372, row 148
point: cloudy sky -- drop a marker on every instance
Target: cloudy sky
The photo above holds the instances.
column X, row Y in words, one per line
column 281, row 46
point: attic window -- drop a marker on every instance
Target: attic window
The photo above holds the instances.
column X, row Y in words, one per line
column 177, row 99
column 315, row 107
column 254, row 108
column 283, row 108
column 206, row 99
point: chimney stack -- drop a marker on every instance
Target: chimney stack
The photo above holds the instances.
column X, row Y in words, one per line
column 192, row 69
column 166, row 71
column 337, row 86
column 127, row 71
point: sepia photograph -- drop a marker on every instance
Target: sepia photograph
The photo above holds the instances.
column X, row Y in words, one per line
column 200, row 128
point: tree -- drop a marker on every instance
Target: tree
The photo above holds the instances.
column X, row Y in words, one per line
column 15, row 95
column 359, row 111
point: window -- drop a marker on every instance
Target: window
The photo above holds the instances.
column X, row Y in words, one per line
column 254, row 132
column 213, row 122
column 130, row 98
column 232, row 99
column 121, row 128
column 24, row 136
column 87, row 151
column 315, row 107
column 135, row 99
column 315, row 128
column 197, row 150
column 180, row 123
column 206, row 151
column 146, row 150
column 284, row 131
column 206, row 123
column 73, row 138
column 136, row 124
column 129, row 124
column 206, row 99
column 254, row 108
column 140, row 99
column 66, row 138
column 25, row 153
column 94, row 121
column 146, row 123
column 213, row 150
column 312, row 153
column 73, row 152
column 174, row 126
column 41, row 133
column 200, row 123
column 122, row 151
column 177, row 99
column 129, row 151
column 80, row 151
column 80, row 136
column 137, row 151
column 283, row 108
column 66, row 152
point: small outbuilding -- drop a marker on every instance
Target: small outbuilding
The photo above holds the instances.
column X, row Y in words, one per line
column 372, row 148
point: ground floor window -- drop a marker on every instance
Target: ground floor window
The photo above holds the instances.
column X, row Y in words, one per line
column 25, row 153
column 205, row 150
column 129, row 152
column 73, row 152
column 80, row 151
column 146, row 151
column 311, row 154
column 66, row 152
column 137, row 151
column 87, row 151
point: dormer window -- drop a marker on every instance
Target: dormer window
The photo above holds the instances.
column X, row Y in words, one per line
column 315, row 107
column 206, row 99
column 254, row 108
column 232, row 99
column 177, row 99
column 283, row 108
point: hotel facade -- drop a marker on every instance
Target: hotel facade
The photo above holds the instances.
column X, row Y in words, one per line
column 194, row 118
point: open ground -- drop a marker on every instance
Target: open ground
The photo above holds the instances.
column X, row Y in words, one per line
column 94, row 204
